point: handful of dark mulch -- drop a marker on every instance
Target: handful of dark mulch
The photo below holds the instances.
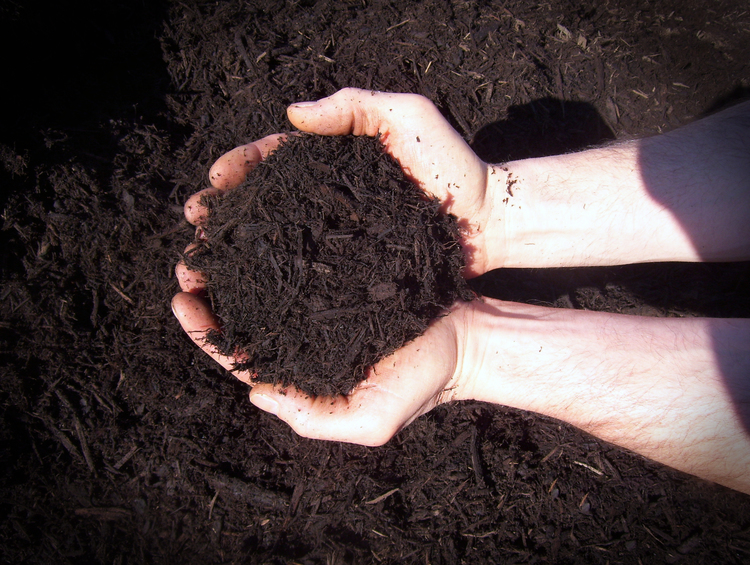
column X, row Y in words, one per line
column 325, row 261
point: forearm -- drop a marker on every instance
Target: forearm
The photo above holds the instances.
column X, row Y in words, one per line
column 682, row 196
column 654, row 386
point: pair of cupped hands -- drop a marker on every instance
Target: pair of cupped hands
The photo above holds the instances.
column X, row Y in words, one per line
column 430, row 370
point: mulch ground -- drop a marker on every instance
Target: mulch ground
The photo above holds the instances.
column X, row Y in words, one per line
column 121, row 443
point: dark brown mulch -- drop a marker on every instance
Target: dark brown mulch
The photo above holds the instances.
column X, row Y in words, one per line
column 121, row 443
column 325, row 261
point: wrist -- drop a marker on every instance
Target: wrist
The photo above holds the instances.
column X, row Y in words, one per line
column 483, row 236
column 540, row 220
column 494, row 337
column 509, row 225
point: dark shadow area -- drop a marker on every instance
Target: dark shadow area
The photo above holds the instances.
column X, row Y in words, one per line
column 80, row 74
column 547, row 126
column 73, row 69
column 738, row 94
column 718, row 290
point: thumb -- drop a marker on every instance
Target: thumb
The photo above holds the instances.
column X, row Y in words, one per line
column 358, row 112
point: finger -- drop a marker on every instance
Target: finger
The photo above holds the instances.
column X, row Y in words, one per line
column 359, row 112
column 230, row 170
column 195, row 212
column 268, row 144
column 189, row 280
column 196, row 318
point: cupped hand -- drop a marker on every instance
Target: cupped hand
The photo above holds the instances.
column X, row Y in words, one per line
column 426, row 371
column 429, row 150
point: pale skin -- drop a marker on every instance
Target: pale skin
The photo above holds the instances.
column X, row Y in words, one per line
column 674, row 390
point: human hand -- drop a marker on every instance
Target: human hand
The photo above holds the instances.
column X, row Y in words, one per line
column 423, row 373
column 426, row 372
column 435, row 157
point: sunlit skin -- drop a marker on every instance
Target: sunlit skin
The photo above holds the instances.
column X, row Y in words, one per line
column 674, row 390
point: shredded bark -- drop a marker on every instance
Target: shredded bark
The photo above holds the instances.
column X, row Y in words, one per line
column 325, row 261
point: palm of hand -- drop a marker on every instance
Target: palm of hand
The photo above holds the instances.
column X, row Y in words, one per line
column 398, row 389
column 423, row 373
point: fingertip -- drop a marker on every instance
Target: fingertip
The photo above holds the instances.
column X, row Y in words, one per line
column 300, row 117
column 264, row 402
column 195, row 212
column 333, row 115
column 194, row 314
column 269, row 144
column 176, row 303
column 300, row 109
column 349, row 111
column 179, row 307
column 231, row 169
column 189, row 280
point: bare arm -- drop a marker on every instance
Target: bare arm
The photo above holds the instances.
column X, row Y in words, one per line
column 674, row 390
column 680, row 196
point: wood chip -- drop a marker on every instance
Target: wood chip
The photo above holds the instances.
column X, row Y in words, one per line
column 382, row 497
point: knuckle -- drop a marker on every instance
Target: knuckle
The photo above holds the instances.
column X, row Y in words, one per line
column 347, row 91
column 420, row 104
column 362, row 123
column 299, row 420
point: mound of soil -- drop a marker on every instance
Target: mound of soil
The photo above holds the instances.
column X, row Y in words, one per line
column 325, row 261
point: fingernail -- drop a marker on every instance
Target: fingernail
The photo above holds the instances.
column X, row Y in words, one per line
column 265, row 403
column 304, row 104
